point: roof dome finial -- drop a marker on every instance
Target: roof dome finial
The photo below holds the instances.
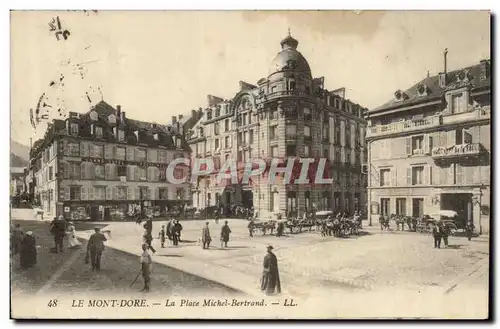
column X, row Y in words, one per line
column 289, row 42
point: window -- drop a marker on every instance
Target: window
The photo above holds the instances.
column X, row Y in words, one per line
column 401, row 206
column 417, row 175
column 384, row 206
column 274, row 151
column 291, row 150
column 307, row 131
column 273, row 132
column 120, row 153
column 325, row 153
column 250, row 137
column 459, row 136
column 325, row 132
column 385, row 177
column 273, row 89
column 142, row 173
column 291, row 85
column 51, row 173
column 417, row 145
column 163, row 193
column 100, row 193
column 121, row 193
column 74, row 129
column 98, row 131
column 216, row 128
column 307, row 114
column 99, row 171
column 226, row 109
column 121, row 135
column 291, row 130
column 143, row 193
column 122, row 171
column 307, row 150
column 217, row 111
column 308, row 90
column 140, row 155
column 179, row 193
column 217, row 144
column 97, row 151
column 226, row 141
column 209, row 115
column 75, row 193
column 457, row 103
column 162, row 156
column 74, row 170
column 273, row 114
column 178, row 142
column 226, row 125
column 74, row 149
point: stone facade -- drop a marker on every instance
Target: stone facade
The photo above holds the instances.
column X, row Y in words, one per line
column 102, row 165
column 287, row 114
column 429, row 148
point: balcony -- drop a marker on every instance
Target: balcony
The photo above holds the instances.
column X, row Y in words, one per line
column 477, row 114
column 404, row 126
column 455, row 151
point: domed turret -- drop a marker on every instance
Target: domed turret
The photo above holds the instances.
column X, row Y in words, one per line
column 289, row 58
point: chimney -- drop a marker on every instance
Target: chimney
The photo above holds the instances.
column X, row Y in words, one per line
column 445, row 53
column 193, row 114
column 180, row 117
column 200, row 112
column 485, row 69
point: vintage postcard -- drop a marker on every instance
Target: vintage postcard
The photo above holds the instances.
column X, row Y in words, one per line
column 250, row 164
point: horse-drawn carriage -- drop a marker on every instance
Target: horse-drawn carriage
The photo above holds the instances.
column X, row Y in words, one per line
column 339, row 226
column 264, row 226
column 447, row 218
column 295, row 225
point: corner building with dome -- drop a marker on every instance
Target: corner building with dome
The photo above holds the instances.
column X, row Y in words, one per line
column 287, row 114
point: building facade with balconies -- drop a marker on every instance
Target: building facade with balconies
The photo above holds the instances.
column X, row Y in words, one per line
column 102, row 165
column 429, row 148
column 288, row 114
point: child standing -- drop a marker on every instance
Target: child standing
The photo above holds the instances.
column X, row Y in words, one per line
column 146, row 264
column 162, row 235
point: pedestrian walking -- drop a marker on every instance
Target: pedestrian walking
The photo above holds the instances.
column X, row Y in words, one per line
column 445, row 232
column 146, row 267
column 436, row 233
column 176, row 232
column 270, row 282
column 224, row 235
column 162, row 235
column 58, row 230
column 28, row 252
column 147, row 238
column 469, row 229
column 250, row 228
column 216, row 213
column 205, row 236
column 95, row 247
column 72, row 240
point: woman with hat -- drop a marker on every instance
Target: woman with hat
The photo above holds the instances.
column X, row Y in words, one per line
column 28, row 250
column 224, row 235
column 72, row 240
column 270, row 275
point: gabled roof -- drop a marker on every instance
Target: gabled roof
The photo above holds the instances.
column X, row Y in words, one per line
column 434, row 90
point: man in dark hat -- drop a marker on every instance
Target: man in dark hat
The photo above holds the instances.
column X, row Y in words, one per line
column 95, row 247
column 224, row 234
column 58, row 230
column 270, row 276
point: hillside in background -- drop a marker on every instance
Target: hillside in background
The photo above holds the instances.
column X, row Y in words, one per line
column 19, row 154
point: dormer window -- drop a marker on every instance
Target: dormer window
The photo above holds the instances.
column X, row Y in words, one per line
column 73, row 129
column 98, row 131
column 217, row 111
column 209, row 115
column 155, row 136
column 422, row 89
column 94, row 116
column 121, row 135
column 112, row 119
column 400, row 95
column 463, row 76
column 201, row 132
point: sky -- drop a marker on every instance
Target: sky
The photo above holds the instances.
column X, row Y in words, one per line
column 157, row 64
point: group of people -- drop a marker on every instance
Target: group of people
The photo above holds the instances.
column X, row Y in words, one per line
column 441, row 231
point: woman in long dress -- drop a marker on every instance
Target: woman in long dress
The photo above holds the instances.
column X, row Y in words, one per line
column 73, row 241
column 28, row 251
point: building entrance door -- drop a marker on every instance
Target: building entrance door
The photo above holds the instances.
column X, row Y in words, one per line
column 418, row 207
column 461, row 203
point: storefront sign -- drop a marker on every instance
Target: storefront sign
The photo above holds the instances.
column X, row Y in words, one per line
column 374, row 208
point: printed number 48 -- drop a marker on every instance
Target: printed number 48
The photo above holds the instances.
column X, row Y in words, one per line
column 52, row 303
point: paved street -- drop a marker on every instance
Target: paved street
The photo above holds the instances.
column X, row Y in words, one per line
column 310, row 265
